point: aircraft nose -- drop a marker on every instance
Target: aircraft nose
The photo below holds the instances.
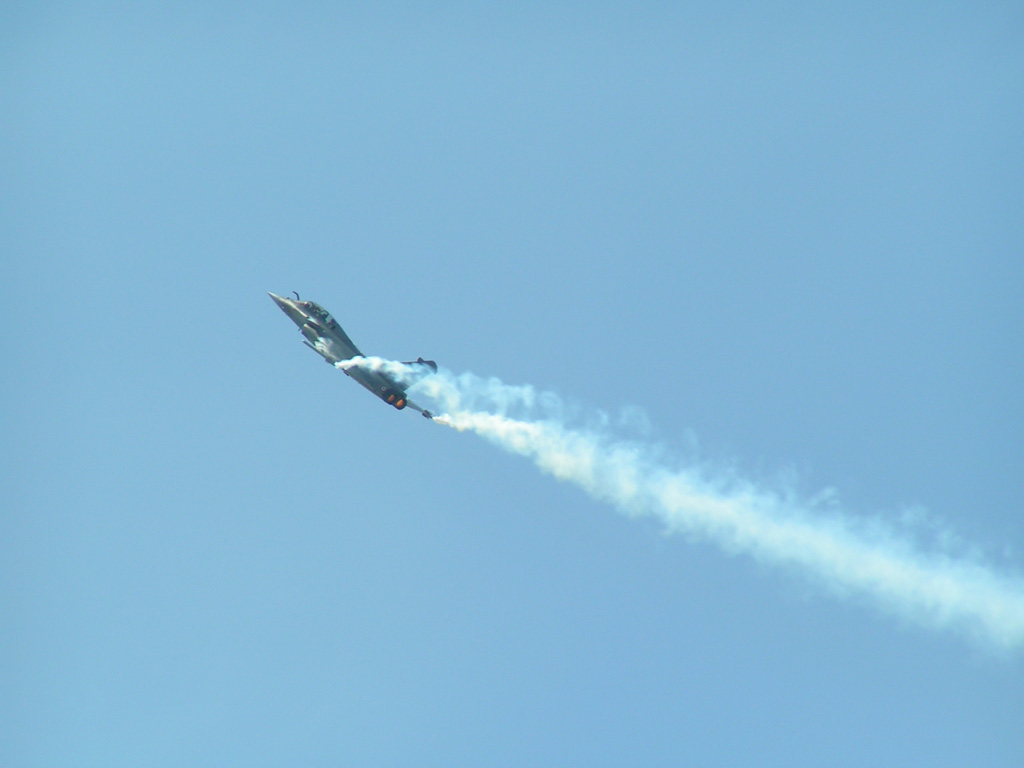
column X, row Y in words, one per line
column 290, row 308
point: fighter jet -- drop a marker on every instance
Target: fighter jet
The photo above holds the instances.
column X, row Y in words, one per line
column 324, row 336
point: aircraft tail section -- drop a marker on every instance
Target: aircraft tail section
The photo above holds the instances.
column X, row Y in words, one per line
column 420, row 361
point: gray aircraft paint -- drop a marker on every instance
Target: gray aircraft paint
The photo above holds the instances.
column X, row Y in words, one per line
column 323, row 335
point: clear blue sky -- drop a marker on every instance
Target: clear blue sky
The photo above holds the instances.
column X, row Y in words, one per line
column 791, row 235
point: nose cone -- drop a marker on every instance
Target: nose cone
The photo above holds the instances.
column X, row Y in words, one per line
column 289, row 307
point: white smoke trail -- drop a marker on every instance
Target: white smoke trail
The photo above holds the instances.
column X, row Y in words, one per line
column 400, row 372
column 850, row 555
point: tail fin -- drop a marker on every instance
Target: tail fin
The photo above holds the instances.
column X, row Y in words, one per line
column 420, row 361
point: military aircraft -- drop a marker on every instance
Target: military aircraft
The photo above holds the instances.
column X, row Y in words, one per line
column 325, row 337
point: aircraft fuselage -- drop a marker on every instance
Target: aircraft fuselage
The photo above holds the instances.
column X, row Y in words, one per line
column 323, row 335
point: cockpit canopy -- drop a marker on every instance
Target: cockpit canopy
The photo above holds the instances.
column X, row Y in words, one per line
column 318, row 312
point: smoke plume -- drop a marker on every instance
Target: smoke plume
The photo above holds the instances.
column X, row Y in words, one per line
column 872, row 559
